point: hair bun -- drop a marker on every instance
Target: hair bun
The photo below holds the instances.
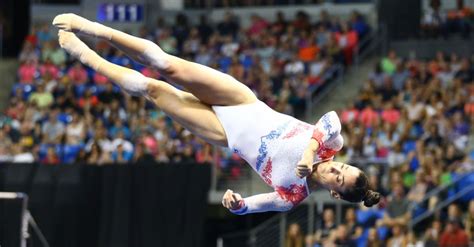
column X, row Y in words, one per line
column 371, row 198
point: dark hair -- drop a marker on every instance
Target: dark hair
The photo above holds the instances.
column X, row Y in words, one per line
column 360, row 192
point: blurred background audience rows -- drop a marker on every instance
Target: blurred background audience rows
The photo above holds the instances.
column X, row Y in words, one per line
column 63, row 112
column 413, row 117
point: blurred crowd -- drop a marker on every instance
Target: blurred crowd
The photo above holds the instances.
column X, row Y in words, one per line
column 248, row 3
column 63, row 112
column 413, row 120
column 454, row 229
column 439, row 23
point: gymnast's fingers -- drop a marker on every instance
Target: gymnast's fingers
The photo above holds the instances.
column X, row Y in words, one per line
column 237, row 197
column 302, row 172
column 225, row 199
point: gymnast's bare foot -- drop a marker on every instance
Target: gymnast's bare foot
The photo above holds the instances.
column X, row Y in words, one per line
column 74, row 23
column 76, row 48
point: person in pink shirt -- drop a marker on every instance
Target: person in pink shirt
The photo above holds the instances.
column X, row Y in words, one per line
column 390, row 114
column 27, row 72
column 99, row 79
column 77, row 74
column 368, row 116
column 350, row 114
column 48, row 66
column 347, row 40
column 258, row 25
column 149, row 72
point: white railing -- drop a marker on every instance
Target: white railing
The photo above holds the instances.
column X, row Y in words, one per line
column 442, row 205
column 330, row 79
column 374, row 42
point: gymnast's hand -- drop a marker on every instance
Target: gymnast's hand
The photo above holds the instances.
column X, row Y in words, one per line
column 305, row 166
column 232, row 201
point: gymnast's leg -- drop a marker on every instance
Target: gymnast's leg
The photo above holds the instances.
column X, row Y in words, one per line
column 210, row 86
column 183, row 107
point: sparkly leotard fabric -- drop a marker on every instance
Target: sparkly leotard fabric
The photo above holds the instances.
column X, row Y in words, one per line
column 272, row 143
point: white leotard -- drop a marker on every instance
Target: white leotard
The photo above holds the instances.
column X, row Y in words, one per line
column 272, row 143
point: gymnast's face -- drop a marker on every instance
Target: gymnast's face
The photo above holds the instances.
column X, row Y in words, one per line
column 336, row 176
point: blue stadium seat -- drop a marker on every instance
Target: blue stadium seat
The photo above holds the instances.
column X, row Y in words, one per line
column 383, row 232
column 246, row 61
column 368, row 217
column 80, row 90
column 70, row 153
column 408, row 146
column 64, row 118
column 224, row 63
column 361, row 241
column 414, row 163
column 465, row 182
column 27, row 89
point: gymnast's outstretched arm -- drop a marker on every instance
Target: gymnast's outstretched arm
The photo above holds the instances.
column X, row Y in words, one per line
column 255, row 204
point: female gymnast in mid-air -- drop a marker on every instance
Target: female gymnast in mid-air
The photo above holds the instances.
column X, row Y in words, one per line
column 291, row 156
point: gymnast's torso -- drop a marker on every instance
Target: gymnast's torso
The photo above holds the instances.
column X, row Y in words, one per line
column 271, row 142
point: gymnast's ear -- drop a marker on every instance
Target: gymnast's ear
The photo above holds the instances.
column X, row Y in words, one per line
column 335, row 195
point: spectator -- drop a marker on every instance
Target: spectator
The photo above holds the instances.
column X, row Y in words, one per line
column 390, row 114
column 27, row 72
column 75, row 130
column 368, row 116
column 458, row 19
column 398, row 236
column 412, row 241
column 453, row 235
column 354, row 230
column 418, row 191
column 454, row 213
column 347, row 40
column 204, row 29
column 328, row 224
column 433, row 23
column 294, row 236
column 294, row 67
column 120, row 156
column 41, row 98
column 469, row 221
column 48, row 67
column 29, row 53
column 21, row 155
column 373, row 239
column 257, row 26
column 350, row 114
column 51, row 158
column 397, row 212
column 98, row 156
column 229, row 26
column 433, row 233
column 53, row 130
column 88, row 100
column 389, row 64
column 359, row 25
column 78, row 74
column 342, row 237
column 111, row 93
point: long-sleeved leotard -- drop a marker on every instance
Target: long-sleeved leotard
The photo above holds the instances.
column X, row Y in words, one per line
column 273, row 144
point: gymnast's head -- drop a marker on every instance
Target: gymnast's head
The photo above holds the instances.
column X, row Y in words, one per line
column 346, row 182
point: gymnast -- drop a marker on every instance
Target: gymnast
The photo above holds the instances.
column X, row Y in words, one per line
column 291, row 156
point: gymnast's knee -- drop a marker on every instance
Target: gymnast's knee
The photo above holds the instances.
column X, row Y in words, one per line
column 156, row 57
